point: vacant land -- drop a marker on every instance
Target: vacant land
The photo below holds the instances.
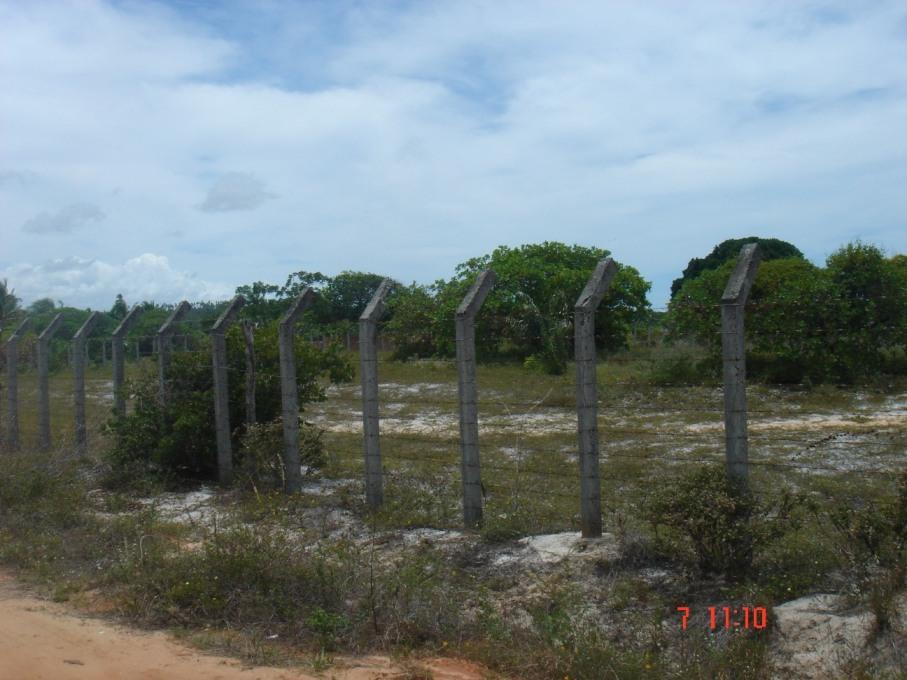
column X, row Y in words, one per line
column 309, row 578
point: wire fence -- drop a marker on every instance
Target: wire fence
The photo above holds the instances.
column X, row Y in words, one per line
column 852, row 442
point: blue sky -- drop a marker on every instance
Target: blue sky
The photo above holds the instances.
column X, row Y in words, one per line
column 171, row 150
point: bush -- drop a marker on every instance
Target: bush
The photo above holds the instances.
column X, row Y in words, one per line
column 680, row 365
column 873, row 533
column 244, row 577
column 720, row 524
column 845, row 322
column 262, row 452
column 177, row 439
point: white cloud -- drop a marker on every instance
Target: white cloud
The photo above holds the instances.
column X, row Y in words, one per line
column 235, row 191
column 450, row 128
column 65, row 220
column 94, row 283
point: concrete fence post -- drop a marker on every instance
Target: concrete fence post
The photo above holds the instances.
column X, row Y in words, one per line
column 288, row 395
column 221, row 389
column 466, row 387
column 12, row 386
column 118, row 355
column 78, row 367
column 733, row 358
column 248, row 331
column 44, row 339
column 587, row 395
column 368, row 362
column 2, row 407
column 164, row 337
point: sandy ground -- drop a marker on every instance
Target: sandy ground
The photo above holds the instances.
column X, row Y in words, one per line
column 41, row 640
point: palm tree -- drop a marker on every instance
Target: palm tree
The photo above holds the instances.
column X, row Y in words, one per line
column 9, row 305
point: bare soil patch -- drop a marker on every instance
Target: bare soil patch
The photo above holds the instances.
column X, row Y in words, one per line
column 42, row 640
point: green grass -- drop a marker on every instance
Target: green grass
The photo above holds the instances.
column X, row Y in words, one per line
column 281, row 568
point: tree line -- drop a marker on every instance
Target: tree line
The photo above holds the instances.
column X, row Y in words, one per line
column 841, row 322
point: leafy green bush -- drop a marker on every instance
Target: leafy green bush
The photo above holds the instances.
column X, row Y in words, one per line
column 841, row 323
column 719, row 524
column 176, row 438
column 681, row 365
column 528, row 313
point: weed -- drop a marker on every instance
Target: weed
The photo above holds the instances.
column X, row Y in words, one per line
column 327, row 626
column 262, row 448
column 721, row 524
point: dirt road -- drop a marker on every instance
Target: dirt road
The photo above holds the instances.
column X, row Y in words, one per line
column 41, row 640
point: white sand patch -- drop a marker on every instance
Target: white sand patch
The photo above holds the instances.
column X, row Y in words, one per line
column 547, row 422
column 325, row 487
column 554, row 548
column 420, row 389
column 194, row 507
column 813, row 637
column 431, row 536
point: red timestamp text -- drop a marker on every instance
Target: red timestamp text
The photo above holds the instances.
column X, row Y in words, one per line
column 729, row 618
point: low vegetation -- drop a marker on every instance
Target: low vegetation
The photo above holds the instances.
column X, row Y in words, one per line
column 301, row 578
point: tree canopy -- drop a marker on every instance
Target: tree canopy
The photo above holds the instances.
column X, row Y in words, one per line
column 842, row 322
column 529, row 313
column 9, row 305
column 770, row 249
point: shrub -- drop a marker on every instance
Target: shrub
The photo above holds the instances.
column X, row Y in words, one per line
column 841, row 323
column 262, row 449
column 680, row 365
column 873, row 533
column 722, row 525
column 177, row 439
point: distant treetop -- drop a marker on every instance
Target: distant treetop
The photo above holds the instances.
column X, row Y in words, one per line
column 771, row 249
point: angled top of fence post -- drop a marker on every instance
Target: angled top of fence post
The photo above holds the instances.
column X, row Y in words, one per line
column 300, row 304
column 477, row 293
column 175, row 317
column 375, row 307
column 20, row 330
column 741, row 280
column 225, row 319
column 52, row 327
column 596, row 286
column 86, row 328
column 127, row 321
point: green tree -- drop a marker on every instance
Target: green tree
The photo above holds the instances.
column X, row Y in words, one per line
column 348, row 293
column 411, row 323
column 870, row 309
column 119, row 309
column 9, row 305
column 529, row 313
column 837, row 323
column 263, row 302
column 177, row 438
column 770, row 249
column 42, row 306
